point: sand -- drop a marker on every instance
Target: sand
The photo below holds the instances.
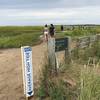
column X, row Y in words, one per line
column 11, row 80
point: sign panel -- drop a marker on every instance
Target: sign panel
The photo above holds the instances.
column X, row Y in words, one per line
column 27, row 71
column 61, row 44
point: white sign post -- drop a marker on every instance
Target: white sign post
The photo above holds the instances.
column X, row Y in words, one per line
column 27, row 71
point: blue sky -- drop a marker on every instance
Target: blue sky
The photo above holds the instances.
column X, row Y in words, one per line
column 40, row 12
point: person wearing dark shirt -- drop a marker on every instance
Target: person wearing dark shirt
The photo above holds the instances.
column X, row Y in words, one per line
column 62, row 28
column 52, row 30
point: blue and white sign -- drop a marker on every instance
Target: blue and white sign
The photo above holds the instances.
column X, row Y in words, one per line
column 27, row 71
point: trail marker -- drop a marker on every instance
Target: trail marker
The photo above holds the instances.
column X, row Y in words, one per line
column 27, row 70
column 61, row 44
column 55, row 46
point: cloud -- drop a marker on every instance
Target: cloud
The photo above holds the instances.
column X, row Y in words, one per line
column 56, row 16
column 36, row 12
column 46, row 4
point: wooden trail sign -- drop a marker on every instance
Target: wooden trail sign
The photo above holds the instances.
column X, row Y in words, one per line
column 27, row 70
column 57, row 45
column 61, row 44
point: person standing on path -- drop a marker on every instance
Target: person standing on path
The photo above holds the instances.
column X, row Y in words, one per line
column 46, row 31
column 62, row 28
column 51, row 30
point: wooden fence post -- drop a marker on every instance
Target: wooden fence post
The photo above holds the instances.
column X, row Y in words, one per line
column 51, row 55
column 68, row 51
column 98, row 37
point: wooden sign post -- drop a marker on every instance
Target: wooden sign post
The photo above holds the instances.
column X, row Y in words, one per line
column 27, row 71
column 98, row 37
column 51, row 55
column 57, row 45
column 93, row 39
column 63, row 44
column 68, row 50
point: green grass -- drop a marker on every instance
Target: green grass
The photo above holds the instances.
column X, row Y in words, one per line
column 89, row 83
column 76, row 32
column 19, row 40
column 21, row 28
column 15, row 37
column 73, row 81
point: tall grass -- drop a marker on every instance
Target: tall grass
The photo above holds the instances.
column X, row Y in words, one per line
column 55, row 87
column 21, row 28
column 74, row 81
column 17, row 36
column 89, row 83
column 19, row 40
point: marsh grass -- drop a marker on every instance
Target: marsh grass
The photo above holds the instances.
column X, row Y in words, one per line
column 15, row 36
column 19, row 40
column 89, row 83
column 78, row 80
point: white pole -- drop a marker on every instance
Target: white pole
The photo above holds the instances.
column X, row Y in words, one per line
column 27, row 70
column 23, row 70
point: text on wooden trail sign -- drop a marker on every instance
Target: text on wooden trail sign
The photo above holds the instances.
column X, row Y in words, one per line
column 61, row 44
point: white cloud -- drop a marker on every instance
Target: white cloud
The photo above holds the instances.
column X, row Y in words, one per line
column 90, row 14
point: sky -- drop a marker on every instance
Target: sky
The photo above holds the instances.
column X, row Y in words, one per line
column 40, row 12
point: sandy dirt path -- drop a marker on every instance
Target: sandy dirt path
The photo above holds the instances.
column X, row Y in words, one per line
column 11, row 82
